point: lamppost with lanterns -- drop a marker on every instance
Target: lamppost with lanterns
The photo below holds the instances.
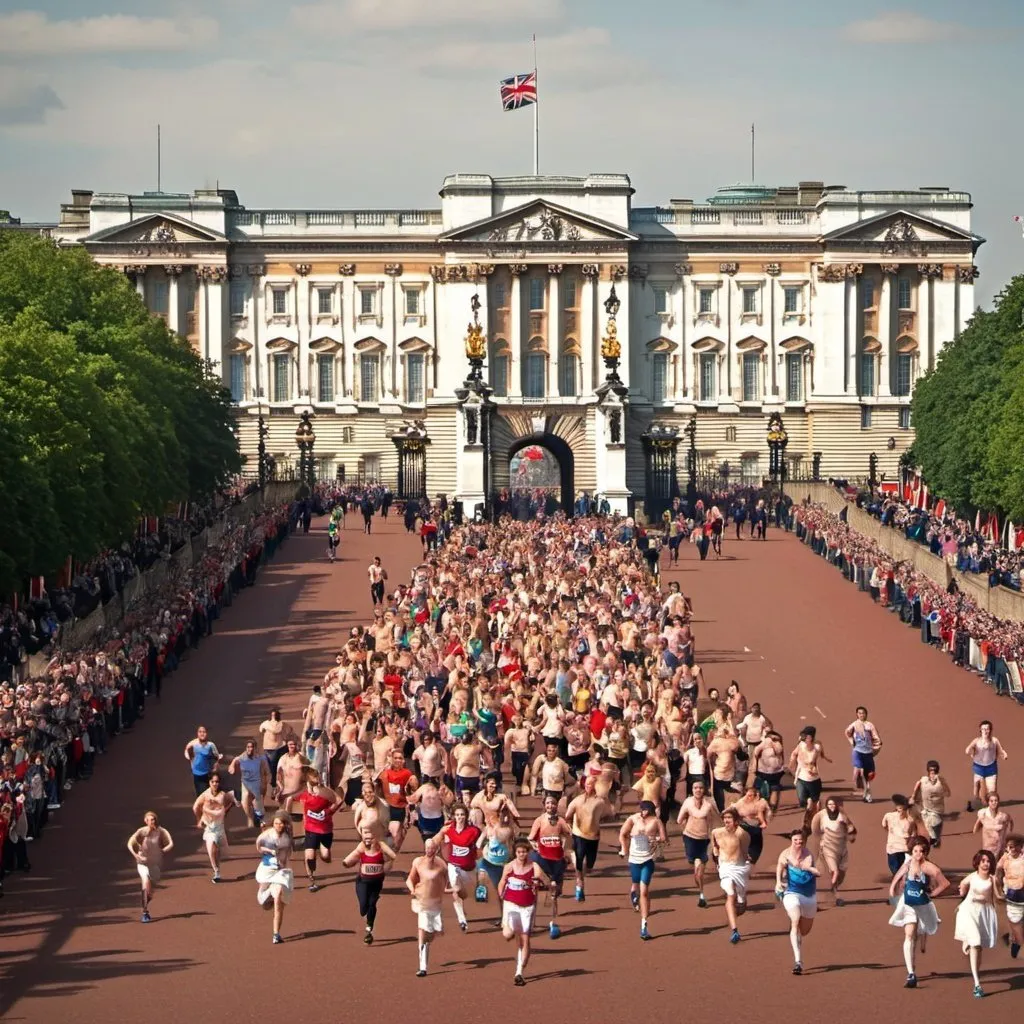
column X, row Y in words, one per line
column 691, row 483
column 777, row 441
column 611, row 347
column 305, row 439
column 261, row 446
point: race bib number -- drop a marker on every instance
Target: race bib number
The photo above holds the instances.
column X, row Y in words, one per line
column 460, row 851
column 394, row 789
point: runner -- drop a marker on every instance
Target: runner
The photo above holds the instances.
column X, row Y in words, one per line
column 977, row 926
column 551, row 771
column 211, row 809
column 899, row 825
column 994, row 825
column 517, row 889
column 398, row 783
column 918, row 881
column 550, row 837
column 518, row 745
column 371, row 812
column 984, row 751
column 584, row 815
column 275, row 734
column 752, row 730
column 495, row 853
column 319, row 805
column 769, row 765
column 645, row 833
column 929, row 794
column 377, row 575
column 274, row 845
column 332, row 539
column 459, row 841
column 803, row 764
column 723, row 751
column 373, row 859
column 730, row 846
column 255, row 778
column 203, row 755
column 1010, row 878
column 430, row 802
column 487, row 805
column 291, row 767
column 148, row 845
column 425, row 883
column 314, row 717
column 696, row 816
column 799, row 897
column 755, row 814
column 835, row 831
column 865, row 743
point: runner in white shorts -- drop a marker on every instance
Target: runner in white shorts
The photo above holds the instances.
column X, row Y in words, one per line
column 425, row 883
column 800, row 895
column 148, row 846
column 518, row 891
column 730, row 846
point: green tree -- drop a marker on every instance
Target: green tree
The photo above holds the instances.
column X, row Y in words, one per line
column 105, row 414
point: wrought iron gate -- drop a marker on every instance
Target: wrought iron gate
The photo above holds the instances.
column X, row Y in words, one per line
column 661, row 482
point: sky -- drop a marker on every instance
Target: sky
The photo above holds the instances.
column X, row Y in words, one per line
column 370, row 103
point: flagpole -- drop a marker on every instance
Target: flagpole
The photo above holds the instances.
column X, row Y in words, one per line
column 536, row 114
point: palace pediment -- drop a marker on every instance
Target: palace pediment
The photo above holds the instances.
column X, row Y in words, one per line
column 900, row 232
column 157, row 229
column 539, row 223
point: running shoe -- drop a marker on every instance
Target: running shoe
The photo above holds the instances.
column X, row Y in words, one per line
column 911, row 981
column 277, row 939
column 519, row 980
column 553, row 930
column 1014, row 950
column 368, row 937
column 464, row 925
column 868, row 799
column 216, row 877
column 644, row 933
column 145, row 917
column 421, row 973
column 701, row 902
column 634, row 898
column 313, row 887
column 840, row 902
column 735, row 937
column 580, row 896
column 481, row 894
column 798, row 968
column 978, row 993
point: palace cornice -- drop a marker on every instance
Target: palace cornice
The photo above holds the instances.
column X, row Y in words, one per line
column 909, row 251
column 142, row 250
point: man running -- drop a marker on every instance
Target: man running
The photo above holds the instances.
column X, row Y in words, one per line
column 695, row 817
column 550, row 837
column 204, row 756
column 378, row 575
column 255, row 778
column 315, row 718
column 645, row 833
column 994, row 825
column 517, row 890
column 730, row 846
column 398, row 784
column 584, row 815
column 803, row 764
column 1010, row 878
column 332, row 539
column 552, row 771
column 211, row 809
column 460, row 839
column 425, row 883
column 319, row 806
column 799, row 895
column 148, row 845
column 929, row 793
column 866, row 743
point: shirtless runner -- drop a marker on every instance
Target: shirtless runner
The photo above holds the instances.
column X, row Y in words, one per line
column 1010, row 878
column 425, row 883
column 211, row 809
column 645, row 833
column 148, row 845
column 803, row 763
column 695, row 816
column 730, row 846
column 584, row 815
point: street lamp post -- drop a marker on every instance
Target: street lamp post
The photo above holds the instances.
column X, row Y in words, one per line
column 691, row 483
column 611, row 347
column 872, row 472
column 777, row 441
column 305, row 439
column 261, row 447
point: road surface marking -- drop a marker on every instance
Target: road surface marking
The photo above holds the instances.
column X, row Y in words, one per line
column 820, row 712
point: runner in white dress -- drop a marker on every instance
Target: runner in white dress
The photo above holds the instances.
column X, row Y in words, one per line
column 918, row 881
column 977, row 926
column 273, row 874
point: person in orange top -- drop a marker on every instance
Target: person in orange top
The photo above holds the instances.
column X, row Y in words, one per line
column 398, row 783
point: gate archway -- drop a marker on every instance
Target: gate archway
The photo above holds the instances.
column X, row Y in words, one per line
column 540, row 463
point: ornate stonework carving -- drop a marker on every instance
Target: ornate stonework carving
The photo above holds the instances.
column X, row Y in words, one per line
column 485, row 269
column 215, row 275
column 159, row 233
column 890, row 268
column 256, row 269
column 772, row 269
column 393, row 269
column 683, row 269
column 515, row 269
column 555, row 268
column 173, row 269
column 901, row 238
column 906, row 321
column 728, row 268
column 929, row 269
column 590, row 270
column 638, row 271
column 347, row 269
column 546, row 226
column 831, row 271
column 967, row 274
column 439, row 272
column 134, row 269
column 458, row 272
column 617, row 271
column 854, row 269
column 303, row 269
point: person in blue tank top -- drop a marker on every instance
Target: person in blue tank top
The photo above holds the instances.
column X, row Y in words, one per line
column 915, row 913
column 203, row 755
column 255, row 776
column 799, row 895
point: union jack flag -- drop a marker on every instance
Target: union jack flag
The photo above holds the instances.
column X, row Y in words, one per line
column 518, row 91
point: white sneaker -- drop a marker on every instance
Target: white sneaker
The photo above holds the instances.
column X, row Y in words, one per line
column 868, row 799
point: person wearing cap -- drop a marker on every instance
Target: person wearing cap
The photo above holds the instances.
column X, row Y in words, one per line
column 644, row 833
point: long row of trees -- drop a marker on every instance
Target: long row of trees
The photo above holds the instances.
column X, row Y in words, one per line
column 105, row 414
column 969, row 412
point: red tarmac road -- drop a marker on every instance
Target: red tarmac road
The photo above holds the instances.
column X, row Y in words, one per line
column 800, row 639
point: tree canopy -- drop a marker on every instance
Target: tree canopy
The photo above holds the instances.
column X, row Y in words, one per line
column 105, row 414
column 969, row 412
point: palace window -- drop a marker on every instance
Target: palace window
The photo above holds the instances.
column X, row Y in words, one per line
column 159, row 297
column 791, row 296
column 236, row 298
column 282, row 389
column 904, row 373
column 537, row 290
column 279, row 301
column 707, row 376
column 568, row 366
column 867, row 295
column 865, row 417
column 325, row 370
column 794, row 377
column 369, row 377
column 536, row 365
column 414, row 387
column 660, row 300
column 705, row 298
column 324, row 301
column 500, row 295
column 867, row 374
column 499, row 376
column 751, row 376
column 368, row 300
column 750, row 470
column 570, row 294
column 659, row 376
column 237, row 371
column 905, row 417
column 904, row 293
column 750, row 301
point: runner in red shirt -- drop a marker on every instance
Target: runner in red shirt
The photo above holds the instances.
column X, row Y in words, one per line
column 373, row 858
column 319, row 804
column 460, row 840
column 398, row 783
column 518, row 891
column 550, row 837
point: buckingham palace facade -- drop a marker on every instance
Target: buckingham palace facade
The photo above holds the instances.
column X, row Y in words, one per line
column 819, row 303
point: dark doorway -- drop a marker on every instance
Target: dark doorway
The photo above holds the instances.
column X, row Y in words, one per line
column 540, row 466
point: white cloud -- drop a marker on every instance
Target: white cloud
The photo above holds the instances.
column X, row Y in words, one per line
column 24, row 102
column 394, row 15
column 32, row 33
column 903, row 27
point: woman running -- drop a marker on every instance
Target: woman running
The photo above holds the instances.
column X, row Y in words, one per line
column 977, row 927
column 984, row 751
column 273, row 874
column 518, row 890
column 835, row 831
column 373, row 858
column 918, row 882
column 495, row 854
column 929, row 794
column 799, row 897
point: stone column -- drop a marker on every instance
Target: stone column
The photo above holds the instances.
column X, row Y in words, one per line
column 515, row 331
column 853, row 337
column 589, row 359
column 211, row 281
column 173, row 300
column 554, row 332
column 303, row 383
column 886, row 335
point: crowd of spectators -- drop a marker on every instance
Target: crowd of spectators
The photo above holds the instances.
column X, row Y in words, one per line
column 946, row 617
column 53, row 726
column 949, row 536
